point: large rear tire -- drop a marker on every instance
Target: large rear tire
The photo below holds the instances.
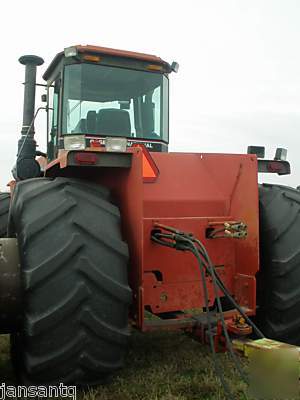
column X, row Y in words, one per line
column 279, row 276
column 75, row 285
column 4, row 209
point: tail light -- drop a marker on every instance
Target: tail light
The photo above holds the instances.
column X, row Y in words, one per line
column 85, row 158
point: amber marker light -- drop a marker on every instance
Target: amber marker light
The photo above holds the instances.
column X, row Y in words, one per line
column 154, row 67
column 91, row 57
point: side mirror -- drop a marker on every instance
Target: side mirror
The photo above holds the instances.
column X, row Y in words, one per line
column 175, row 66
column 281, row 154
column 258, row 150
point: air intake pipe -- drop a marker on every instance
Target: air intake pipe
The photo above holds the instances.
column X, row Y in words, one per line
column 26, row 166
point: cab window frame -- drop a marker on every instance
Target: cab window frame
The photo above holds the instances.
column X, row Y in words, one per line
column 52, row 85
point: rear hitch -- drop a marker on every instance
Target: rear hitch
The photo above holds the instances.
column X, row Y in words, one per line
column 234, row 322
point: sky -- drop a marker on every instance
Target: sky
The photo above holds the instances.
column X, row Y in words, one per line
column 239, row 78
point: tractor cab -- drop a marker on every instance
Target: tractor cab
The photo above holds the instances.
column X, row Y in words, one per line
column 99, row 92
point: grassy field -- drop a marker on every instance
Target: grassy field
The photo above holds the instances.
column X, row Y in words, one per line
column 160, row 366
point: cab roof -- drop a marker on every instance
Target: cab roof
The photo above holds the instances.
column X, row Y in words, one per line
column 90, row 49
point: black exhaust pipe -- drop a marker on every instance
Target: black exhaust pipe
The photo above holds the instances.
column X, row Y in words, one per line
column 26, row 166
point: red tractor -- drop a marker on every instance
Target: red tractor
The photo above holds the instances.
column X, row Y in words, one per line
column 110, row 230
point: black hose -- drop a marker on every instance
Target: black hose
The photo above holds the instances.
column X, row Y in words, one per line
column 178, row 237
column 220, row 310
column 226, row 292
column 211, row 342
column 186, row 243
column 210, row 267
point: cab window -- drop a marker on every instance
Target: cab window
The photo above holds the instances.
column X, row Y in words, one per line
column 113, row 101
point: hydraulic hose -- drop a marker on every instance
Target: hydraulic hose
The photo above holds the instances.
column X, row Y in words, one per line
column 186, row 242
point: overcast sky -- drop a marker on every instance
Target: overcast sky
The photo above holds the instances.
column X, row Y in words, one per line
column 239, row 76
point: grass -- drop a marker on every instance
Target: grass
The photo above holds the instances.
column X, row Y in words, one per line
column 160, row 366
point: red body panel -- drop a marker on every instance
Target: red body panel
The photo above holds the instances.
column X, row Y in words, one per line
column 191, row 192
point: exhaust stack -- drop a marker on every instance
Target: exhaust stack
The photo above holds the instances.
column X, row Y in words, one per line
column 30, row 62
column 26, row 166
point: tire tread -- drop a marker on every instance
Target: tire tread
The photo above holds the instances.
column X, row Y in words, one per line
column 279, row 277
column 74, row 263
